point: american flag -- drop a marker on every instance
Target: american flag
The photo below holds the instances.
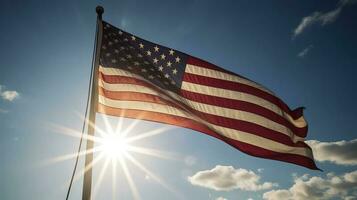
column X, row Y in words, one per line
column 143, row 80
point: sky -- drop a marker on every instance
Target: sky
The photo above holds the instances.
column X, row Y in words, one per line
column 304, row 51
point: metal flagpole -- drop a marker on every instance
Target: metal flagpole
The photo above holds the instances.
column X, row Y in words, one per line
column 87, row 180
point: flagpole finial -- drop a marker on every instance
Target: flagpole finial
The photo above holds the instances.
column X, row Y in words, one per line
column 100, row 11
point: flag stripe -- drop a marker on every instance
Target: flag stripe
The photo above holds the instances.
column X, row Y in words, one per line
column 239, row 87
column 232, row 95
column 224, row 122
column 197, row 70
column 252, row 118
column 250, row 86
column 248, row 107
column 188, row 123
column 111, row 74
column 227, row 132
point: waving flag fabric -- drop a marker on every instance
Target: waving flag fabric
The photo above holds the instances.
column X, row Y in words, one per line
column 143, row 80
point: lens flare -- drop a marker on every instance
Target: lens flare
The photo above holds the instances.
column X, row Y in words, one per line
column 114, row 146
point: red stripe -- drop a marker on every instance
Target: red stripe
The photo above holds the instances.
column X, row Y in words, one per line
column 198, row 98
column 244, row 106
column 137, row 96
column 188, row 123
column 239, row 125
column 201, row 63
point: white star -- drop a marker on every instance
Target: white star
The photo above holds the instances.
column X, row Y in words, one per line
column 161, row 68
column 177, row 59
column 148, row 53
column 146, row 62
column 122, row 59
column 171, row 52
column 141, row 45
column 128, row 56
column 110, row 43
column 143, row 70
column 120, row 33
column 126, row 39
column 114, row 61
column 163, row 56
column 151, row 77
column 116, row 40
column 174, row 71
column 116, row 50
column 167, row 75
column 155, row 60
column 133, row 38
column 156, row 48
column 136, row 63
column 140, row 56
column 173, row 82
column 129, row 67
column 169, row 64
column 122, row 48
column 107, row 54
column 152, row 69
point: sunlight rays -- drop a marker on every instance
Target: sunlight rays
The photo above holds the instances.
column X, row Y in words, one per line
column 153, row 152
column 100, row 177
column 152, row 175
column 132, row 185
column 114, row 146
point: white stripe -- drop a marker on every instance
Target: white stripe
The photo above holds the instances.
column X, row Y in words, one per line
column 214, row 92
column 193, row 69
column 227, row 132
column 209, row 109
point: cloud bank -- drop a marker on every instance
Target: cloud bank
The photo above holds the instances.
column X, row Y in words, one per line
column 317, row 188
column 226, row 178
column 340, row 152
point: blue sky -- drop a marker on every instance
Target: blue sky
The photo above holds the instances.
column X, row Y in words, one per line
column 302, row 50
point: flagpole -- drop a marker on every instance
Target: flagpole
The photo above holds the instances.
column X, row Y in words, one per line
column 87, row 180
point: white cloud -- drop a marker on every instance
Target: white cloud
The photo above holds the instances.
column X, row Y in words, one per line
column 340, row 152
column 226, row 178
column 321, row 18
column 277, row 195
column 304, row 52
column 8, row 95
column 317, row 188
column 221, row 198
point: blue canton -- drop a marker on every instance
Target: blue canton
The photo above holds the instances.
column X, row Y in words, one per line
column 162, row 66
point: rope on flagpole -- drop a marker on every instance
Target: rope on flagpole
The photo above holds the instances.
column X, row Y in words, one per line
column 85, row 117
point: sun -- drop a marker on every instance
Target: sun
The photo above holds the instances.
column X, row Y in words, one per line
column 114, row 145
